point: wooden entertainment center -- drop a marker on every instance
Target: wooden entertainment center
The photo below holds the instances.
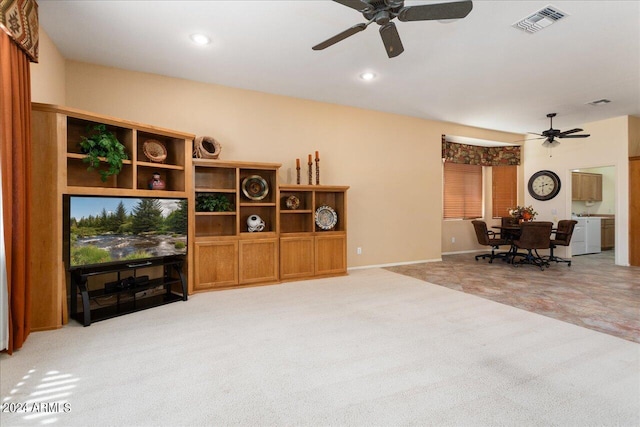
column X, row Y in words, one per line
column 222, row 252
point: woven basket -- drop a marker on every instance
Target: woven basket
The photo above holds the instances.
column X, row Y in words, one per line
column 154, row 150
column 205, row 147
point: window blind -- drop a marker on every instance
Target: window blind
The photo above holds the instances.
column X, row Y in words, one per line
column 504, row 189
column 462, row 191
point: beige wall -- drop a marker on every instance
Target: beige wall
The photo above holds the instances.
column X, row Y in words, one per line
column 48, row 75
column 607, row 146
column 391, row 162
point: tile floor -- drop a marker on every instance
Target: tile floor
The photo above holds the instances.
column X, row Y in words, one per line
column 593, row 293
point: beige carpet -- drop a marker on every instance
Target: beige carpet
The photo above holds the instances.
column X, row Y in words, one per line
column 371, row 348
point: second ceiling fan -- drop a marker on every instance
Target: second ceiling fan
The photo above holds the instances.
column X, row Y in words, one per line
column 382, row 12
column 551, row 134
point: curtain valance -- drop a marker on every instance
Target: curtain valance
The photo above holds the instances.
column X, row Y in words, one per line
column 19, row 19
column 476, row 155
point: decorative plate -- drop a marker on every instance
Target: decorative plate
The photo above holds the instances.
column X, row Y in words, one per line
column 154, row 150
column 292, row 202
column 326, row 217
column 255, row 187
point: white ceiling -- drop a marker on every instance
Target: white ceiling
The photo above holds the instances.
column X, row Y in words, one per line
column 478, row 71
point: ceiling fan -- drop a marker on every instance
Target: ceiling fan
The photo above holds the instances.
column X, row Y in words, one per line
column 382, row 12
column 551, row 134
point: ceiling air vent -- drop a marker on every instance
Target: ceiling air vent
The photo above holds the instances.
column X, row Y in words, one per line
column 541, row 19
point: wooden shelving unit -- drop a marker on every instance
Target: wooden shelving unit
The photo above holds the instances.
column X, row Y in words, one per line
column 222, row 252
column 226, row 254
column 306, row 250
column 59, row 170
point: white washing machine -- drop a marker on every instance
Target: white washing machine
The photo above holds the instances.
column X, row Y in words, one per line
column 586, row 238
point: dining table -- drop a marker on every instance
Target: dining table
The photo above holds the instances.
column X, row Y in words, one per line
column 512, row 232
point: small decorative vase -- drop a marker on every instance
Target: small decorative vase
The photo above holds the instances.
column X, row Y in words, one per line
column 292, row 202
column 156, row 183
column 255, row 223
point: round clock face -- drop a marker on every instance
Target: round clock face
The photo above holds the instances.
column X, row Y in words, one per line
column 544, row 185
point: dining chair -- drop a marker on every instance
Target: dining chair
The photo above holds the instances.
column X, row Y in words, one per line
column 487, row 237
column 562, row 238
column 533, row 236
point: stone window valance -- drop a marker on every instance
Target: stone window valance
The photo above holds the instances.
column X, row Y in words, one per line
column 19, row 19
column 477, row 155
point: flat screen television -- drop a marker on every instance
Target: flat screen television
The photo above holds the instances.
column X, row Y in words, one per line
column 103, row 230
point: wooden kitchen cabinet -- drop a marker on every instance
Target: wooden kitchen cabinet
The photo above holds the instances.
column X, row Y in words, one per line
column 608, row 229
column 586, row 187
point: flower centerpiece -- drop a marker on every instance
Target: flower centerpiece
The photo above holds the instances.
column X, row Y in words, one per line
column 523, row 213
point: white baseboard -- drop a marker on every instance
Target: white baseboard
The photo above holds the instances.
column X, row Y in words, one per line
column 394, row 264
column 464, row 252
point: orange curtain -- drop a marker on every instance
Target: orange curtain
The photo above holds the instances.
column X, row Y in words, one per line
column 15, row 152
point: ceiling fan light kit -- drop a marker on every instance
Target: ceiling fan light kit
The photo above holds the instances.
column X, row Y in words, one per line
column 382, row 12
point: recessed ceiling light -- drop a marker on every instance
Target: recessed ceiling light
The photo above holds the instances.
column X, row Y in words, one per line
column 367, row 76
column 200, row 39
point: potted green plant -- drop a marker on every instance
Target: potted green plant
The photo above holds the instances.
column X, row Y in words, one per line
column 102, row 145
column 213, row 203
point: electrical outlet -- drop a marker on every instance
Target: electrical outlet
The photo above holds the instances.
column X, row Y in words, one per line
column 359, row 250
column 453, row 240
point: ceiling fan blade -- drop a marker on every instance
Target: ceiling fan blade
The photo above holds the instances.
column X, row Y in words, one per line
column 567, row 132
column 391, row 40
column 531, row 139
column 574, row 136
column 428, row 12
column 339, row 37
column 360, row 6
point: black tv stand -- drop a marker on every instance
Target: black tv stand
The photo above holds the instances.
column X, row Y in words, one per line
column 127, row 294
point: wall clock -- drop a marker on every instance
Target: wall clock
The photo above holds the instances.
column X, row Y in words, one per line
column 544, row 185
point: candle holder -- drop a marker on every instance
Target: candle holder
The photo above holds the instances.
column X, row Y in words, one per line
column 310, row 172
column 317, row 171
column 298, row 174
